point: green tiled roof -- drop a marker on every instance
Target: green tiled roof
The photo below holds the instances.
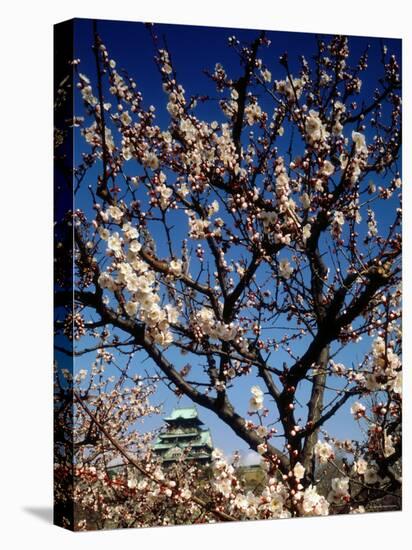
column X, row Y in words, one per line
column 159, row 444
column 198, row 456
column 185, row 413
column 174, row 434
column 205, row 439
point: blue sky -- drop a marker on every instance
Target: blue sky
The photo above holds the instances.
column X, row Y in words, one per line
column 193, row 50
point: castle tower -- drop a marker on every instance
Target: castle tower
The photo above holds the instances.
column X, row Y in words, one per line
column 184, row 429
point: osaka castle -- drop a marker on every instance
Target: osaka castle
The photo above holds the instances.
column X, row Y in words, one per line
column 183, row 430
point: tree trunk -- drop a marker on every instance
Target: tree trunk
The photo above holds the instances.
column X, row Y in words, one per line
column 315, row 406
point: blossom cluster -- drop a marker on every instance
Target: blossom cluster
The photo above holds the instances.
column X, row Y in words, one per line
column 205, row 323
column 129, row 272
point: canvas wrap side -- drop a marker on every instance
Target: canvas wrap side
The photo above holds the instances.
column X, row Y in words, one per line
column 64, row 514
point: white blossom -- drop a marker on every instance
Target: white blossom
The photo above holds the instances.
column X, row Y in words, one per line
column 323, row 451
column 285, row 269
